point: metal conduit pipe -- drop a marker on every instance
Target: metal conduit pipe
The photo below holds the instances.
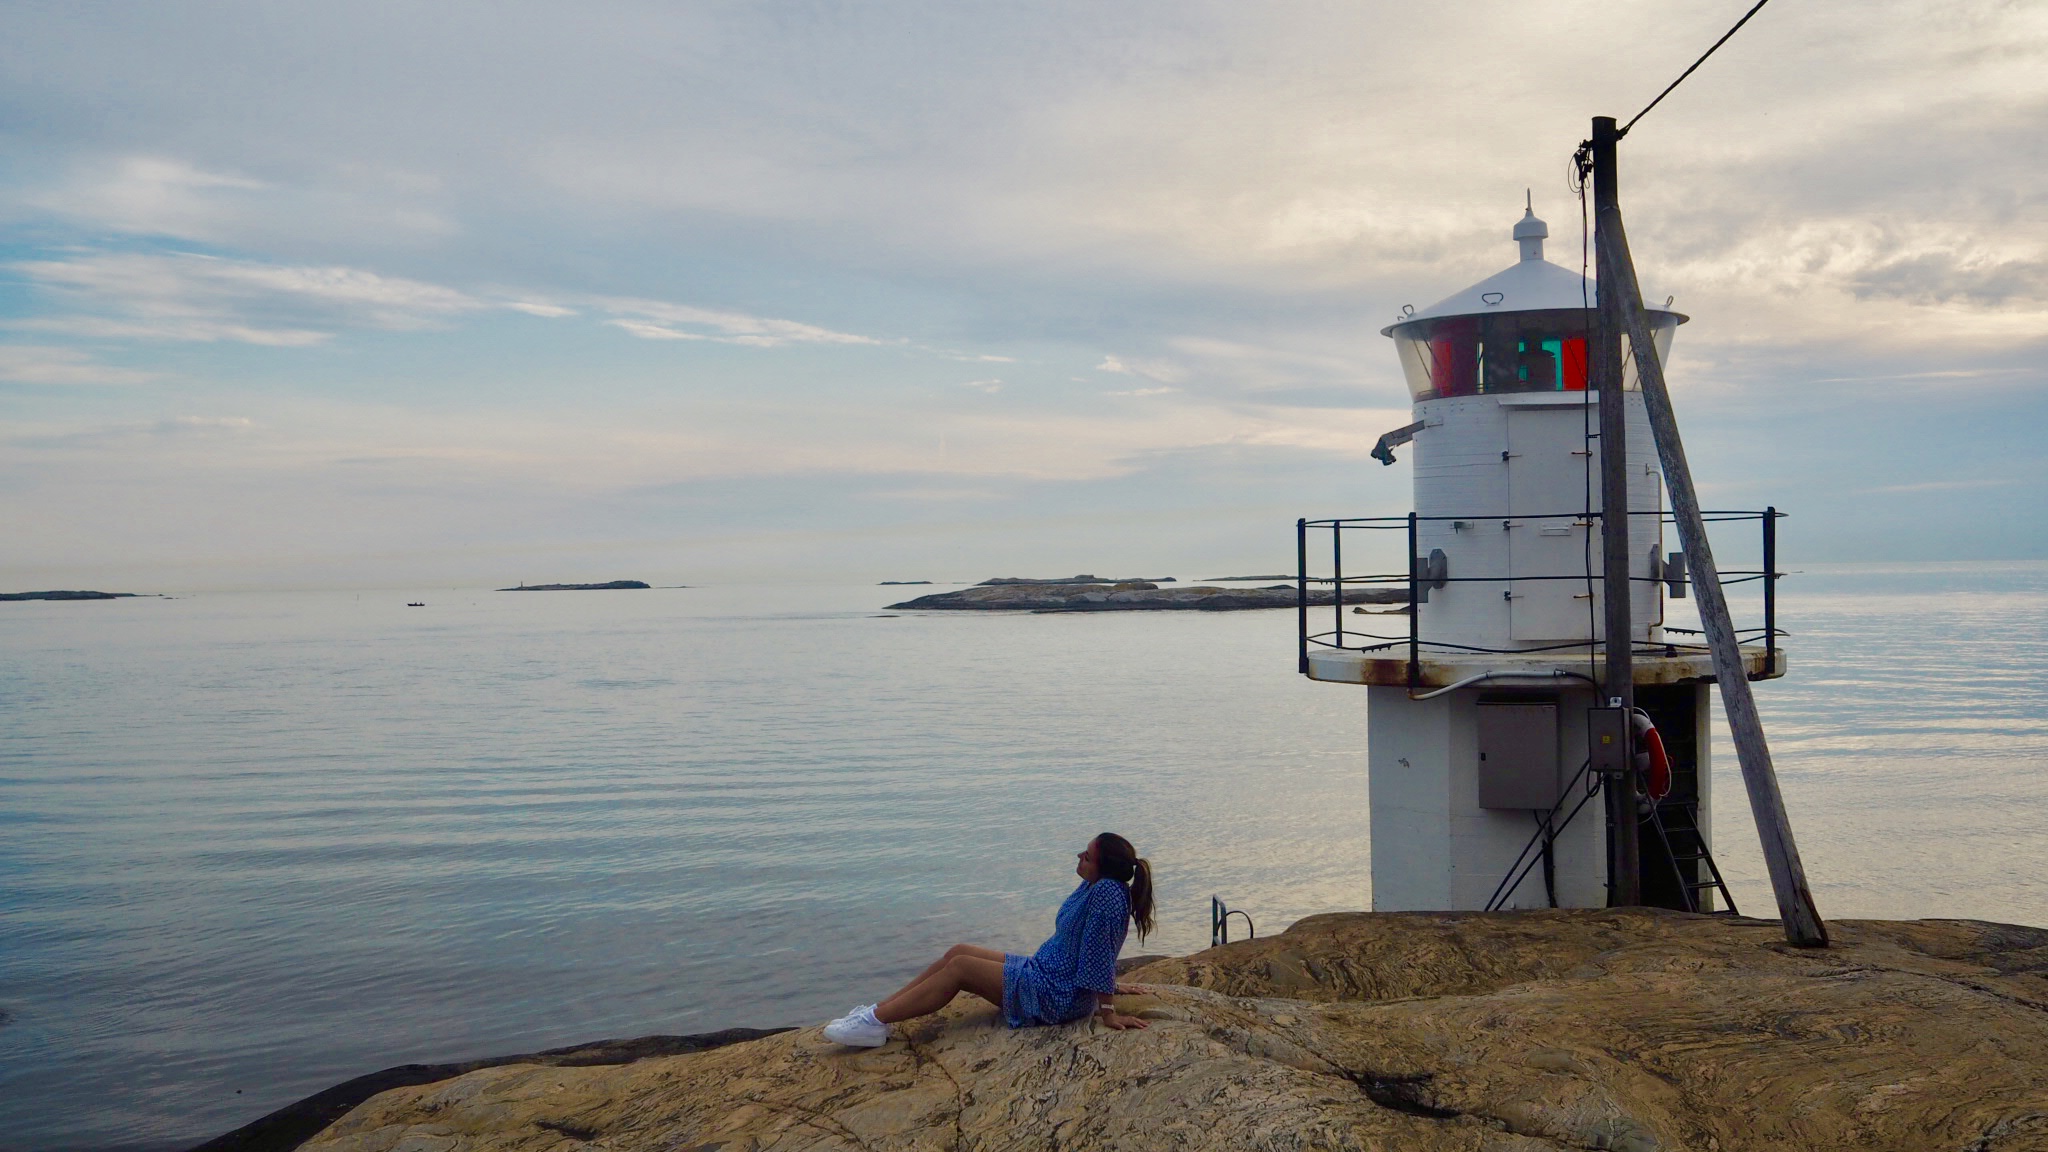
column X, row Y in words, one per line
column 1551, row 676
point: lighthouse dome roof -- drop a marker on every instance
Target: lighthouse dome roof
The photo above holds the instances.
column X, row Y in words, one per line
column 1531, row 284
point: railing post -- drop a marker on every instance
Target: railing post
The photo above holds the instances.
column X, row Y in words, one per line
column 1337, row 566
column 1301, row 588
column 1414, row 613
column 1770, row 591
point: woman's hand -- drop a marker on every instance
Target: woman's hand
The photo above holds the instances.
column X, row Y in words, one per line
column 1119, row 1022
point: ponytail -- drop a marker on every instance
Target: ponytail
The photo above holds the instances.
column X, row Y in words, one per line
column 1141, row 897
column 1118, row 861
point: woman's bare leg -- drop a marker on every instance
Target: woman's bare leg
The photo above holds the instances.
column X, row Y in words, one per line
column 952, row 976
column 974, row 950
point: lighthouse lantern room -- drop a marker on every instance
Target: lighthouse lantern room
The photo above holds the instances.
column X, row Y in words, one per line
column 1489, row 730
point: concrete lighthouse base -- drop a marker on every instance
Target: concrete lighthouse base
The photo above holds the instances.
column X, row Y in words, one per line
column 1462, row 783
column 1434, row 846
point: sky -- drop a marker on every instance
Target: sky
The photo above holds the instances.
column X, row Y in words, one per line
column 410, row 294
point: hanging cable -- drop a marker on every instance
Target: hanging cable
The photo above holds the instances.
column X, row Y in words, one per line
column 1689, row 71
column 1582, row 167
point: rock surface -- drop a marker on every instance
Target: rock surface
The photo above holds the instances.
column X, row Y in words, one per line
column 1134, row 596
column 290, row 1126
column 1626, row 1030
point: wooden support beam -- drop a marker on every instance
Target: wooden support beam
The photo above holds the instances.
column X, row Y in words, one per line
column 1618, row 685
column 1796, row 908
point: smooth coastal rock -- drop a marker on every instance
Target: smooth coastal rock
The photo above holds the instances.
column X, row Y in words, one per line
column 1134, row 596
column 606, row 586
column 1626, row 1030
column 290, row 1126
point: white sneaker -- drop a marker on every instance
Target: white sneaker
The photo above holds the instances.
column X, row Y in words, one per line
column 858, row 1029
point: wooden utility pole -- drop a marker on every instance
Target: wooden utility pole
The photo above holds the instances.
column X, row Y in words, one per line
column 1618, row 288
column 1624, row 868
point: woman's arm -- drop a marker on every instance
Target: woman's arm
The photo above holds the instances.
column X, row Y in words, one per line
column 1105, row 1011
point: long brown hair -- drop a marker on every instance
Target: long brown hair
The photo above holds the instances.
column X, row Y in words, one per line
column 1117, row 860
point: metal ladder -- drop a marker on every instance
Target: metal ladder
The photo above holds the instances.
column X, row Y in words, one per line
column 1683, row 843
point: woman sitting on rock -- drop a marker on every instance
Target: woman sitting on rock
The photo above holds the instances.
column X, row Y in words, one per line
column 1070, row 976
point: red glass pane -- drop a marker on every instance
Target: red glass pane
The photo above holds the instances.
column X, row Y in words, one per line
column 1574, row 364
column 1454, row 358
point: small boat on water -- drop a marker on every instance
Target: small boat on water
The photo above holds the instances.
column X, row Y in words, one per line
column 416, row 604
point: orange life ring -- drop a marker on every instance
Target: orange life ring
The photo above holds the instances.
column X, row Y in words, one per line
column 1651, row 759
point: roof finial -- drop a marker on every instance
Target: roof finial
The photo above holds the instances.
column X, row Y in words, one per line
column 1529, row 231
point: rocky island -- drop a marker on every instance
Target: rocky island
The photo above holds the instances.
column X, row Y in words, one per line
column 606, row 586
column 1083, row 579
column 77, row 594
column 1134, row 596
column 1631, row 1030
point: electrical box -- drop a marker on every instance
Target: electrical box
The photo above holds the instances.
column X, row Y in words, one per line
column 1607, row 740
column 1518, row 755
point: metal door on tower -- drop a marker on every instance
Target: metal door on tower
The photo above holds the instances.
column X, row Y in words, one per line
column 1548, row 536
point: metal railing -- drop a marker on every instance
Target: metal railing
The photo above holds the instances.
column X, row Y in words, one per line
column 1422, row 575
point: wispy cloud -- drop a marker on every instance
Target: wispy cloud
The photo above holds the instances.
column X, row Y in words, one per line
column 152, row 195
column 43, row 364
column 193, row 297
column 648, row 330
column 1162, row 371
column 168, row 196
column 990, row 385
column 658, row 320
column 536, row 308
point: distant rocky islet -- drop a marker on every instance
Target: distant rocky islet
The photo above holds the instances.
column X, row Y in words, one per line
column 604, row 587
column 1092, row 594
column 69, row 594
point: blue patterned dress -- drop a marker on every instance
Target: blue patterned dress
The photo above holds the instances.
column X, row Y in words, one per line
column 1059, row 982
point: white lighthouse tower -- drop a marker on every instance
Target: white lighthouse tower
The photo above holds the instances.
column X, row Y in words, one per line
column 1478, row 742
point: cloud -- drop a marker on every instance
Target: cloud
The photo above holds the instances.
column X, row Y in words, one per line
column 152, row 195
column 990, row 385
column 655, row 320
column 155, row 195
column 1216, row 203
column 192, row 297
column 43, row 364
column 647, row 331
column 1163, row 371
column 531, row 308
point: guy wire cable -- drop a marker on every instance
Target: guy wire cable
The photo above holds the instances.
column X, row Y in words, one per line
column 1689, row 71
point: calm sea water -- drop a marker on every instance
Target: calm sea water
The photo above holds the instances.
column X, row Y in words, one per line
column 255, row 844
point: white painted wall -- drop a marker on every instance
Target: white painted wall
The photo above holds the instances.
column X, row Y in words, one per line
column 1502, row 466
column 1433, row 846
